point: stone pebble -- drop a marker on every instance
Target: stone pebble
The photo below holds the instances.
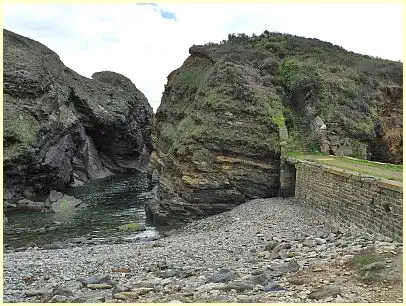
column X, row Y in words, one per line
column 220, row 258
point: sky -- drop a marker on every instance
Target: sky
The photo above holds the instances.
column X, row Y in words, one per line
column 145, row 42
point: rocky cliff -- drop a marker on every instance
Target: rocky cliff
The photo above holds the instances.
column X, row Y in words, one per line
column 231, row 107
column 61, row 128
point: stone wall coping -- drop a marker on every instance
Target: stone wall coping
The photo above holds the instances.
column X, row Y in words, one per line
column 382, row 182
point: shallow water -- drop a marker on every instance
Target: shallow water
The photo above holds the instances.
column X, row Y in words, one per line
column 109, row 203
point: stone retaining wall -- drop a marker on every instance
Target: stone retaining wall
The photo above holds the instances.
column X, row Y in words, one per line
column 367, row 202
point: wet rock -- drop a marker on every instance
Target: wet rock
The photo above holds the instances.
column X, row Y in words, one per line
column 132, row 227
column 28, row 205
column 65, row 204
column 324, row 292
column 53, row 246
column 30, row 245
column 223, row 276
column 55, row 196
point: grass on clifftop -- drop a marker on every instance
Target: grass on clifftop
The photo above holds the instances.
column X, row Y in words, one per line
column 383, row 170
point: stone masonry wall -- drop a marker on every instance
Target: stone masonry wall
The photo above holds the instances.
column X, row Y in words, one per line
column 351, row 199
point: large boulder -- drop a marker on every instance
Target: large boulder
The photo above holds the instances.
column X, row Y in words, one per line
column 61, row 128
column 227, row 110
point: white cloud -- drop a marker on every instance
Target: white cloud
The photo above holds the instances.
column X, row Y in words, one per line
column 137, row 41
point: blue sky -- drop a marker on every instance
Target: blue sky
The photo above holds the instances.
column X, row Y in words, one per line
column 147, row 41
column 157, row 8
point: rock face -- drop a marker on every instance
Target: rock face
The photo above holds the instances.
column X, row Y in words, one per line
column 230, row 108
column 62, row 128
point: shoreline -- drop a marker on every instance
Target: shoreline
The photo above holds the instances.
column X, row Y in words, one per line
column 252, row 253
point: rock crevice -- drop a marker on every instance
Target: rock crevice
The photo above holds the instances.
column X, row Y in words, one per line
column 61, row 128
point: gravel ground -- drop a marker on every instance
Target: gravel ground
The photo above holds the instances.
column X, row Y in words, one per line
column 266, row 250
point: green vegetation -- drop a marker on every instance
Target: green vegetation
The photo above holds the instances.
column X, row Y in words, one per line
column 317, row 78
column 131, row 227
column 235, row 96
column 20, row 130
column 369, row 265
column 363, row 260
column 383, row 170
column 189, row 81
column 275, row 110
column 24, row 128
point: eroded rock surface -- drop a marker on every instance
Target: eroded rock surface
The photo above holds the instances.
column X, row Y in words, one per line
column 226, row 112
column 62, row 128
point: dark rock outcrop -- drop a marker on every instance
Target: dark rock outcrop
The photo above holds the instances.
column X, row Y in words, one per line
column 61, row 128
column 231, row 108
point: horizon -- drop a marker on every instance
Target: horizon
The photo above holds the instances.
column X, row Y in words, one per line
column 85, row 46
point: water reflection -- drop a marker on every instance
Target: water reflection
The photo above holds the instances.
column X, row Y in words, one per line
column 109, row 203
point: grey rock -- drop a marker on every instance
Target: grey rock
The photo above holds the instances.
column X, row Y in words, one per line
column 320, row 240
column 55, row 196
column 247, row 299
column 52, row 246
column 270, row 246
column 282, row 246
column 272, row 286
column 324, row 292
column 99, row 286
column 65, row 204
column 31, row 245
column 148, row 282
column 79, row 128
column 283, row 268
column 209, row 286
column 283, row 254
column 322, row 234
column 223, row 276
column 61, row 291
column 239, row 285
column 168, row 273
column 36, row 292
column 309, row 242
column 103, row 279
column 59, row 299
column 28, row 205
